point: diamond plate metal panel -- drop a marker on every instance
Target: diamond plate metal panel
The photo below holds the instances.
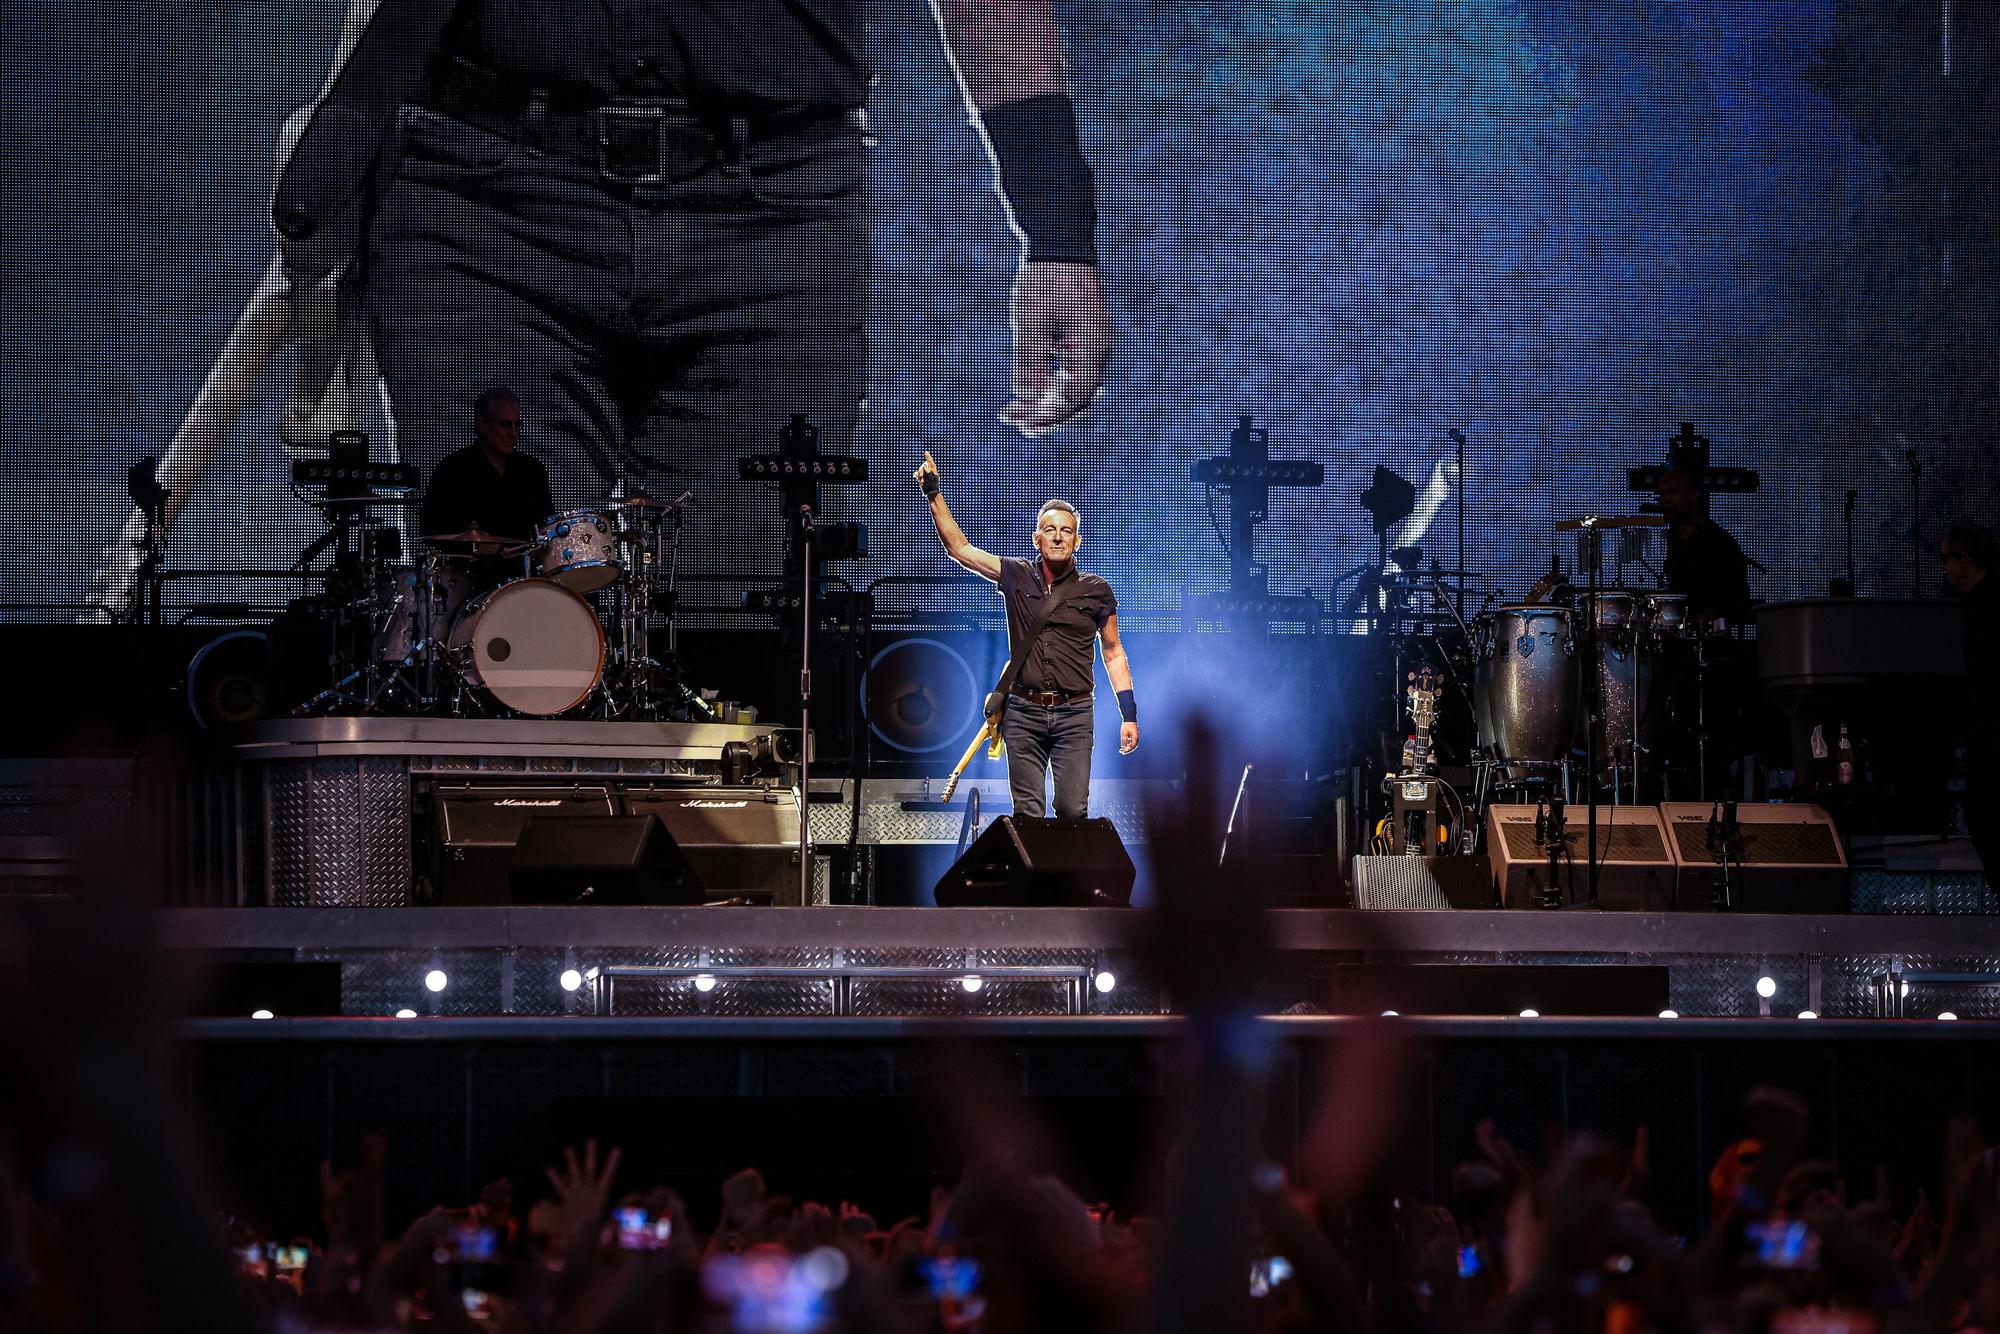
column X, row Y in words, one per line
column 338, row 832
column 830, row 821
column 655, row 997
column 828, row 957
column 1954, row 892
column 780, row 998
column 907, row 958
column 914, row 996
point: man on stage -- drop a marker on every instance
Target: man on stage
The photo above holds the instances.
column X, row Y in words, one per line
column 489, row 484
column 1054, row 613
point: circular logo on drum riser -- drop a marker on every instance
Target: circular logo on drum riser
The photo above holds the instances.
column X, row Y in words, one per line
column 499, row 650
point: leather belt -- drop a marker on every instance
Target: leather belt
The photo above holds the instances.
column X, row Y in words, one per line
column 638, row 141
column 1049, row 699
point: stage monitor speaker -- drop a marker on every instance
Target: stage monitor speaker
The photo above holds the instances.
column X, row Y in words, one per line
column 474, row 827
column 1425, row 883
column 1635, row 867
column 742, row 841
column 1018, row 862
column 1792, row 859
column 617, row 859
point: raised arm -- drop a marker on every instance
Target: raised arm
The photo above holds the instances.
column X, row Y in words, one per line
column 982, row 563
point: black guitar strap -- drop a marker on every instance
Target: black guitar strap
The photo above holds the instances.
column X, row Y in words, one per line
column 998, row 698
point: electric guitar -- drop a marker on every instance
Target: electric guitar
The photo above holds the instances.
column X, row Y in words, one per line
column 989, row 733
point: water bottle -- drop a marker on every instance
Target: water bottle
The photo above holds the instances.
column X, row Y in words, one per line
column 1845, row 751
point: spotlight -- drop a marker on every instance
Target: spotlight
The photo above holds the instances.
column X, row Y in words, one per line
column 406, row 1014
column 435, row 980
column 1670, row 1014
column 1104, row 981
column 1531, row 1014
column 262, row 1014
column 1767, row 986
column 1947, row 1016
column 704, row 982
column 1807, row 1014
column 1390, row 1014
column 571, row 979
column 972, row 982
column 1902, row 988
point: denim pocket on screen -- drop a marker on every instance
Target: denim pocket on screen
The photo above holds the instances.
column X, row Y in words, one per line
column 824, row 171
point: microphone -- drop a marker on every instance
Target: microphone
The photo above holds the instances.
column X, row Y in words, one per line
column 1458, row 436
column 805, row 518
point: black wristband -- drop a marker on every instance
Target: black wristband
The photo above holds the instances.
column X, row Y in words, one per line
column 1045, row 177
column 1128, row 706
column 930, row 486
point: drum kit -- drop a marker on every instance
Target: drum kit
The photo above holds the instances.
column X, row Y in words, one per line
column 487, row 626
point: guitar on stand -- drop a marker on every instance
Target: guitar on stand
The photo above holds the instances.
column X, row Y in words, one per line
column 1416, row 826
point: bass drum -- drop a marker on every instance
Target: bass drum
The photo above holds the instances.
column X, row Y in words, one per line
column 1525, row 685
column 532, row 645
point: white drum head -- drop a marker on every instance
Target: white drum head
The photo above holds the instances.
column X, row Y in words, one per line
column 534, row 645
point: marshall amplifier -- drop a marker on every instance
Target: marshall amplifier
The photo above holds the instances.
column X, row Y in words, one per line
column 742, row 841
column 475, row 827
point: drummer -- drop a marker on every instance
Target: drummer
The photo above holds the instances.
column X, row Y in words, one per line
column 1716, row 695
column 490, row 486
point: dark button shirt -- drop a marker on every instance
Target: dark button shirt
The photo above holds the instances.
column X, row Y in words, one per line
column 707, row 52
column 1064, row 656
column 1711, row 569
column 467, row 489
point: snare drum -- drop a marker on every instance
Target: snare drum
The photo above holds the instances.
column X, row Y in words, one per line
column 415, row 603
column 1525, row 686
column 534, row 646
column 579, row 550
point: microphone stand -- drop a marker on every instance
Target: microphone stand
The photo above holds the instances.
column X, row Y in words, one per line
column 805, row 705
column 1593, row 543
column 1458, row 439
column 1235, row 809
column 1916, row 525
column 1848, row 514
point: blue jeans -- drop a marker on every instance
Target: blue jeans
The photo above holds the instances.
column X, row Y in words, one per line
column 1041, row 741
column 641, row 325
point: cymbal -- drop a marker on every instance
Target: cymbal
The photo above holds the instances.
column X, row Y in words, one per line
column 1612, row 521
column 499, row 546
column 366, row 499
column 1420, row 575
column 642, row 503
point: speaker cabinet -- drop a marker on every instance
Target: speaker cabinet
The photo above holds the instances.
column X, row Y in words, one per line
column 618, row 859
column 1424, row 883
column 1792, row 859
column 1635, row 867
column 474, row 828
column 1017, row 862
column 742, row 841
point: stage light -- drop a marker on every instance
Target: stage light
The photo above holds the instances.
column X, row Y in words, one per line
column 406, row 1014
column 1104, row 981
column 1947, row 1016
column 1670, row 1014
column 1767, row 986
column 1902, row 988
column 571, row 979
column 1390, row 1014
column 435, row 980
column 262, row 1014
column 1807, row 1014
column 972, row 982
column 704, row 982
column 1531, row 1014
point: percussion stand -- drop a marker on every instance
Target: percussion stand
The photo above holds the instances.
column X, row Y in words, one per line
column 805, row 531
